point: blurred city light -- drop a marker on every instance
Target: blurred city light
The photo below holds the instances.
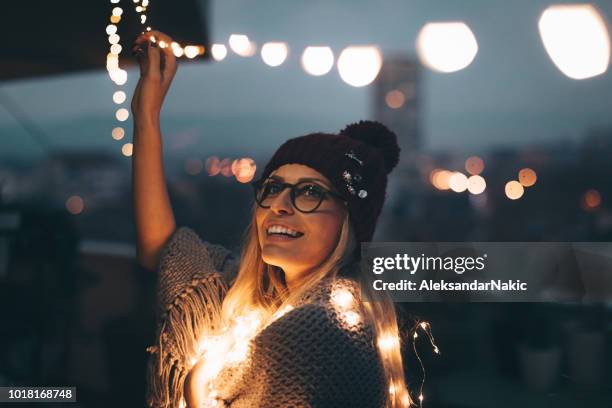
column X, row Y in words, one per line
column 474, row 165
column 212, row 166
column 219, row 52
column 244, row 169
column 274, row 53
column 446, row 47
column 514, row 190
column 527, row 177
column 359, row 65
column 440, row 179
column 395, row 99
column 576, row 39
column 225, row 166
column 317, row 60
column 193, row 166
column 476, row 184
column 75, row 205
column 458, row 182
column 591, row 200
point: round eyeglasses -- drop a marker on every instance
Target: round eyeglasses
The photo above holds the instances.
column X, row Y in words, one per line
column 306, row 196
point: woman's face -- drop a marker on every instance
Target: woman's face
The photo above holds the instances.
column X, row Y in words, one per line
column 320, row 230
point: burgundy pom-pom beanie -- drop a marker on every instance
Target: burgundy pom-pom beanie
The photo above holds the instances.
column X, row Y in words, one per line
column 357, row 161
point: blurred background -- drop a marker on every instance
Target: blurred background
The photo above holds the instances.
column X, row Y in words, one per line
column 504, row 115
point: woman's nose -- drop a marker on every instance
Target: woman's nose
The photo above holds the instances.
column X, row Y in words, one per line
column 282, row 203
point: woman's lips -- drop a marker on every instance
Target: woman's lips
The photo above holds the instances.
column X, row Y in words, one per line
column 281, row 238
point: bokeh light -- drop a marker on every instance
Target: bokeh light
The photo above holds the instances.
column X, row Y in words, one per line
column 527, row 177
column 274, row 53
column 225, row 166
column 219, row 52
column 474, row 165
column 440, row 178
column 111, row 29
column 213, row 166
column 591, row 200
column 244, row 169
column 118, row 133
column 127, row 149
column 119, row 97
column 458, row 182
column 193, row 166
column 576, row 39
column 446, row 47
column 122, row 114
column 359, row 65
column 476, row 184
column 117, row 11
column 317, row 61
column 395, row 99
column 75, row 205
column 514, row 190
column 241, row 45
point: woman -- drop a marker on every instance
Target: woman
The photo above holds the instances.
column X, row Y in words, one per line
column 296, row 327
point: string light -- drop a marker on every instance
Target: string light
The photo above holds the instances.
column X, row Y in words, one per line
column 426, row 327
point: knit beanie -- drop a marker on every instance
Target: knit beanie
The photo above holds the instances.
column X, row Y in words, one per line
column 356, row 161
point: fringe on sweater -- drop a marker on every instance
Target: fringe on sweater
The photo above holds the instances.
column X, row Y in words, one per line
column 194, row 313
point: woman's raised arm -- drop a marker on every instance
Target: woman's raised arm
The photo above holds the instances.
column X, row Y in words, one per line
column 152, row 209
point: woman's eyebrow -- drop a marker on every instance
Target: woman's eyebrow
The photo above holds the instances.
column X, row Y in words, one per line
column 301, row 180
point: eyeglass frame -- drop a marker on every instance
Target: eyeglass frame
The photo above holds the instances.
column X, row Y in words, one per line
column 259, row 184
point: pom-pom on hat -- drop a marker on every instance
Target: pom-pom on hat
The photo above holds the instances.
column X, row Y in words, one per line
column 356, row 161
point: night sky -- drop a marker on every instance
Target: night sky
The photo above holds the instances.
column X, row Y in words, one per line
column 511, row 94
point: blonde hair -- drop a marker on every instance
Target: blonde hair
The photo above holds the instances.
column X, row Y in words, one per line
column 259, row 286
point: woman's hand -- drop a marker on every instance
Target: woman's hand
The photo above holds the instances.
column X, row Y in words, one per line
column 157, row 69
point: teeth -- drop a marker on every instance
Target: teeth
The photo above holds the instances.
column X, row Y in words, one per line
column 277, row 229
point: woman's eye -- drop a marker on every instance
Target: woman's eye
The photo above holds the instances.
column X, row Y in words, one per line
column 311, row 190
column 272, row 187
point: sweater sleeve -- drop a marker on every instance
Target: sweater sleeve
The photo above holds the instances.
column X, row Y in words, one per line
column 312, row 358
column 186, row 259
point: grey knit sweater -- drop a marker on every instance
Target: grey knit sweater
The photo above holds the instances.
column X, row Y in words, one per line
column 309, row 357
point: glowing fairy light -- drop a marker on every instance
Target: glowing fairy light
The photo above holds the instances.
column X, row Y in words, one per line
column 241, row 45
column 113, row 38
column 139, row 9
column 576, row 38
column 342, row 297
column 111, row 29
column 274, row 53
column 115, row 19
column 119, row 97
column 191, row 51
column 218, row 51
column 143, row 19
column 122, row 114
column 317, row 61
column 118, row 133
column 127, row 149
column 117, row 11
column 116, row 49
column 359, row 65
column 446, row 47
